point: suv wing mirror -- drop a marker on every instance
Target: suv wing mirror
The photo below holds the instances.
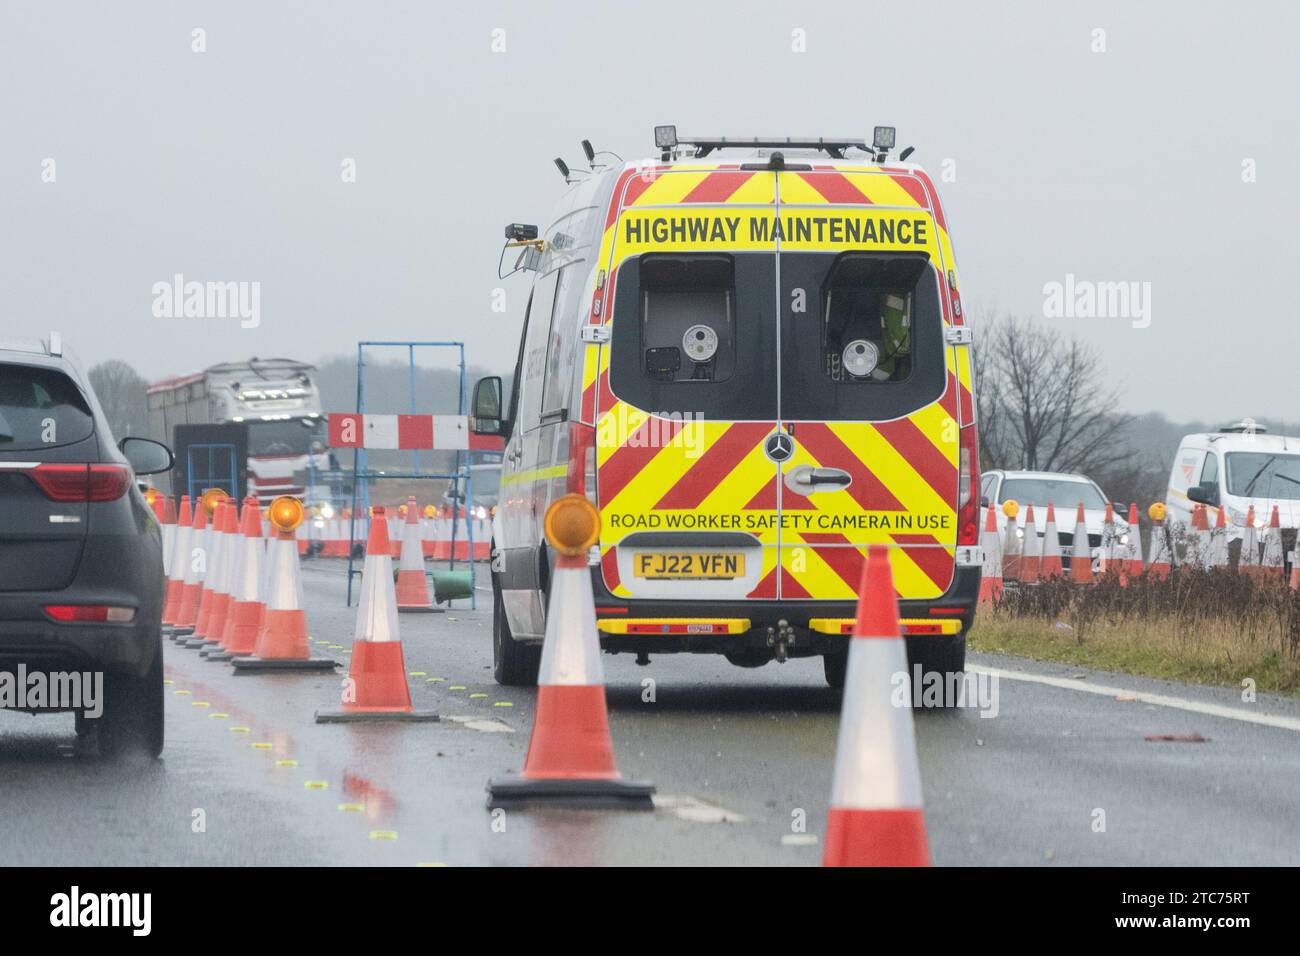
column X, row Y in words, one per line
column 146, row 456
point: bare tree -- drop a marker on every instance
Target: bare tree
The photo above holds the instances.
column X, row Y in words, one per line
column 1044, row 401
column 121, row 391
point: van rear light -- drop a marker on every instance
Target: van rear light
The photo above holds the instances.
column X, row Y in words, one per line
column 82, row 482
column 968, row 525
column 581, row 477
column 90, row 613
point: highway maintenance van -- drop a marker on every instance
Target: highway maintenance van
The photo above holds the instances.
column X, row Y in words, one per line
column 1237, row 468
column 751, row 355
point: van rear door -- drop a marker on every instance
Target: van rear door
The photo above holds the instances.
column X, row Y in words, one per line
column 869, row 385
column 685, row 393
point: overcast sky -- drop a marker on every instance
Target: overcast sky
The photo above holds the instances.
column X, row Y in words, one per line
column 1122, row 165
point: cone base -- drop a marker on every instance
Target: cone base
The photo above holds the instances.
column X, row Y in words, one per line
column 213, row 654
column 257, row 665
column 177, row 633
column 194, row 643
column 371, row 716
column 876, row 838
column 571, row 793
column 420, row 609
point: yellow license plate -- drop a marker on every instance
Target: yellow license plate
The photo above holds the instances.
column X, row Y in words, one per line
column 669, row 564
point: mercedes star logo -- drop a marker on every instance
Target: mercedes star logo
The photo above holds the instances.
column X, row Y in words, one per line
column 779, row 447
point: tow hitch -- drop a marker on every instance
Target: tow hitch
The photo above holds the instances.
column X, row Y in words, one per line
column 781, row 638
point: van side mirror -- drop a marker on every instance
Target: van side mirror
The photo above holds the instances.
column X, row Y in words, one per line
column 488, row 419
column 1202, row 494
column 146, row 456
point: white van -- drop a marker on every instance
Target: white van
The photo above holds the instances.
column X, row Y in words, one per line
column 1235, row 468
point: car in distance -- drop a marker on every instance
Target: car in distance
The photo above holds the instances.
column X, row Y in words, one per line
column 1064, row 491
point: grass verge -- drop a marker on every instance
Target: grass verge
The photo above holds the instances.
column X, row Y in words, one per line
column 1211, row 651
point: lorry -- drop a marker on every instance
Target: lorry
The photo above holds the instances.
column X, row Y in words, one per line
column 276, row 399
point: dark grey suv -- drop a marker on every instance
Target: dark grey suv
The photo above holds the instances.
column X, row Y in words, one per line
column 81, row 581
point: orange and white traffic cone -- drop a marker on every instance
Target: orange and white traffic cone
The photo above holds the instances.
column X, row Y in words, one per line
column 1052, row 566
column 1273, row 560
column 1109, row 549
column 225, row 575
column 991, row 576
column 426, row 530
column 412, row 583
column 1248, row 558
column 376, row 687
column 442, row 535
column 875, row 816
column 1129, row 555
column 1080, row 550
column 571, row 755
column 165, row 509
column 282, row 643
column 1012, row 547
column 1161, row 554
column 180, row 559
column 247, row 610
column 396, row 530
column 1031, row 560
column 193, row 563
column 1216, row 555
column 1198, row 538
column 212, row 501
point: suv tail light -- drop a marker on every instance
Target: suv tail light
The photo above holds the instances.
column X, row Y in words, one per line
column 968, row 525
column 82, row 482
column 90, row 613
column 581, row 478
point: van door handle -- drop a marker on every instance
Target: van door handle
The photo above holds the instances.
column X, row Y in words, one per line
column 825, row 476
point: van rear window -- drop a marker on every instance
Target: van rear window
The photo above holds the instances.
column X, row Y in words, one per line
column 696, row 333
column 40, row 408
column 687, row 318
column 862, row 336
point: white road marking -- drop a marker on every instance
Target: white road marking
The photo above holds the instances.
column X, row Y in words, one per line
column 697, row 811
column 487, row 725
column 1161, row 700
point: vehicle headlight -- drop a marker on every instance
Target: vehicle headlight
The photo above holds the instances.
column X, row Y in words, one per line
column 327, row 510
column 1123, row 538
column 1020, row 532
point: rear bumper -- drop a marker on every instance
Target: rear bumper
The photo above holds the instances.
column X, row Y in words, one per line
column 116, row 570
column 957, row 603
column 47, row 647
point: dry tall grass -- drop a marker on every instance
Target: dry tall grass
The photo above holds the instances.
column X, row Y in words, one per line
column 1210, row 626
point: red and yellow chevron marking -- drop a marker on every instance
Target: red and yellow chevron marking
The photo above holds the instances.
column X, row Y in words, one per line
column 662, row 475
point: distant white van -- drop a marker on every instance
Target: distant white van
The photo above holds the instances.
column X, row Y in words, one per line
column 1235, row 468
